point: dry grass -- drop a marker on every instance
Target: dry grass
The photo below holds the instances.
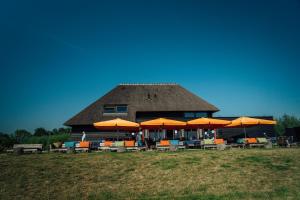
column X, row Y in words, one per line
column 232, row 174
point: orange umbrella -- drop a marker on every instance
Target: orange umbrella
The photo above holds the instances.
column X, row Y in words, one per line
column 247, row 121
column 162, row 123
column 209, row 123
column 243, row 121
column 267, row 122
column 116, row 124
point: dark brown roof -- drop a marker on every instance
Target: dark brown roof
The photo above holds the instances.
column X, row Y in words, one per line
column 142, row 97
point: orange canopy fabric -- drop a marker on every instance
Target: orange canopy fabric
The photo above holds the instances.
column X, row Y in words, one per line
column 208, row 123
column 247, row 121
column 267, row 122
column 162, row 123
column 116, row 124
column 243, row 121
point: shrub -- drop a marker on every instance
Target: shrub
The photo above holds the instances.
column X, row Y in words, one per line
column 6, row 141
column 21, row 134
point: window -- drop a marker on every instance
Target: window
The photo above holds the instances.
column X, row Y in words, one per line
column 189, row 115
column 115, row 109
column 121, row 109
column 195, row 114
column 201, row 114
column 109, row 109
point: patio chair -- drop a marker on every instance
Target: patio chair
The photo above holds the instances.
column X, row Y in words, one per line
column 163, row 145
column 193, row 143
column 262, row 140
column 69, row 144
column 209, row 144
column 130, row 145
column 117, row 146
column 222, row 144
column 219, row 141
column 84, row 146
column 105, row 145
column 257, row 142
column 174, row 144
column 94, row 145
column 181, row 145
column 102, row 145
column 240, row 143
column 250, row 142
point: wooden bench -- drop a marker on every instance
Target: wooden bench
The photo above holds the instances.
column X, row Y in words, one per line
column 27, row 148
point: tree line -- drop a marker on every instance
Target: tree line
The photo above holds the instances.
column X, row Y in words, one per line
column 284, row 122
column 39, row 135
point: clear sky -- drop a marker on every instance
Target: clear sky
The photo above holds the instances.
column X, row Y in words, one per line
column 57, row 57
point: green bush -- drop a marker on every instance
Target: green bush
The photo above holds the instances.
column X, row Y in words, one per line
column 286, row 121
column 6, row 141
column 59, row 138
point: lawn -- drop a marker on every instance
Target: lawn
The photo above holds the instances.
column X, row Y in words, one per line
column 198, row 174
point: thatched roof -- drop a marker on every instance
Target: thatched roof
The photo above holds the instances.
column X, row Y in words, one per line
column 142, row 97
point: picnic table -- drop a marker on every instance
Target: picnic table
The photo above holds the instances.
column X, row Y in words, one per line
column 27, row 148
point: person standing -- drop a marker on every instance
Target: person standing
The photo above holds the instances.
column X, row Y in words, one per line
column 83, row 136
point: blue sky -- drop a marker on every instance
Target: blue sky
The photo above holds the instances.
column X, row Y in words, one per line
column 57, row 57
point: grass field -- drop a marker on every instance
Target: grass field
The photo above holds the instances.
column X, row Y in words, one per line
column 198, row 174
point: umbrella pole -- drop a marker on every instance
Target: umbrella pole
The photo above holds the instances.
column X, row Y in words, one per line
column 245, row 132
column 215, row 134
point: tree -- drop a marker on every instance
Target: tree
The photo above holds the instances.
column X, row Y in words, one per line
column 54, row 131
column 21, row 134
column 286, row 121
column 6, row 141
column 64, row 130
column 40, row 132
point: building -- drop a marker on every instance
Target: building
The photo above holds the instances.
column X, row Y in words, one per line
column 293, row 133
column 140, row 102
